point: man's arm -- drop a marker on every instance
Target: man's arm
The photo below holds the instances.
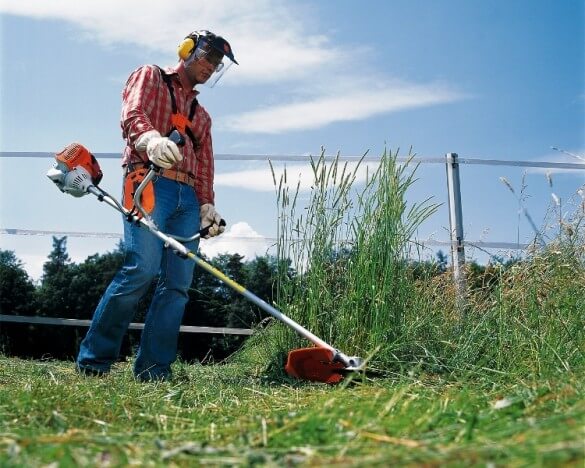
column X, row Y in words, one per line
column 138, row 101
column 139, row 98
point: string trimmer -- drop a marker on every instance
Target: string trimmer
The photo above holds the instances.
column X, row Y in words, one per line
column 77, row 172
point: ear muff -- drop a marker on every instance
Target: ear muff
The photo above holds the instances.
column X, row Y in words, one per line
column 186, row 48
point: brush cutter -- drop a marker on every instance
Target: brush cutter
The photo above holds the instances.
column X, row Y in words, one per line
column 77, row 173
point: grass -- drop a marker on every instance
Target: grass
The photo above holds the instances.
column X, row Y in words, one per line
column 497, row 381
column 226, row 415
column 347, row 247
column 352, row 282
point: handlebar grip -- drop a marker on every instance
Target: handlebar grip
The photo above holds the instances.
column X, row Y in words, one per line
column 203, row 232
column 176, row 137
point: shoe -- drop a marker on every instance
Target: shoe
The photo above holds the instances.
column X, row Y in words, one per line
column 90, row 372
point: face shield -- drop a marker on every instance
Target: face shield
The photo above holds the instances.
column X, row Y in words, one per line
column 209, row 52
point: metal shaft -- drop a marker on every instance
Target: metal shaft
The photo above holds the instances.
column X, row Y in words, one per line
column 260, row 302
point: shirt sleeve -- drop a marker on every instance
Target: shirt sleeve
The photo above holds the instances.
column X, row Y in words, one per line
column 138, row 100
column 204, row 189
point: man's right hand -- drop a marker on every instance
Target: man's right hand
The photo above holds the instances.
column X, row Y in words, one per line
column 160, row 150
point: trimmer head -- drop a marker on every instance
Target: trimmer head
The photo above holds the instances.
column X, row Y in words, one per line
column 317, row 365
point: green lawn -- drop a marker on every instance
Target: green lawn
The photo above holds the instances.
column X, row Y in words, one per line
column 226, row 415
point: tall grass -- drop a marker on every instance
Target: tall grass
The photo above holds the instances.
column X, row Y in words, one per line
column 347, row 275
column 533, row 322
column 347, row 246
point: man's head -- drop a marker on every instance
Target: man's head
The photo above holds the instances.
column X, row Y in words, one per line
column 204, row 56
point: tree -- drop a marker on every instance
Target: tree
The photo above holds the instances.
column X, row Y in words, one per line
column 90, row 280
column 261, row 273
column 212, row 303
column 17, row 297
column 16, row 288
column 228, row 308
column 442, row 261
column 58, row 258
column 53, row 295
column 67, row 290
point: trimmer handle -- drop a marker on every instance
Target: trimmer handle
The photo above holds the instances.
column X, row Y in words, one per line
column 176, row 137
column 203, row 232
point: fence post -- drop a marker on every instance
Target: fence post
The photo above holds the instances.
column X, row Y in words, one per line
column 456, row 225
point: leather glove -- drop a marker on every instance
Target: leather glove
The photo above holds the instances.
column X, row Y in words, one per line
column 211, row 218
column 160, row 150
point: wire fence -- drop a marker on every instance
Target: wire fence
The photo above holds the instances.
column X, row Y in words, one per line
column 301, row 158
column 272, row 240
column 31, row 319
column 298, row 158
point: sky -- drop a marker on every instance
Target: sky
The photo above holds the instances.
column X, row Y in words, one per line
column 493, row 80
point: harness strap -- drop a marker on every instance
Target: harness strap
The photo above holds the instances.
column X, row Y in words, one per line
column 167, row 79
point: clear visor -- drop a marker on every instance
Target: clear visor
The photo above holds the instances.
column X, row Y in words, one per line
column 204, row 51
column 220, row 70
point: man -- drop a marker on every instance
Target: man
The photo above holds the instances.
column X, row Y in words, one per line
column 158, row 104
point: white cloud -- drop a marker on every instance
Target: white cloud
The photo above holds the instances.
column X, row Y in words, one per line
column 261, row 180
column 256, row 179
column 33, row 264
column 560, row 156
column 579, row 155
column 327, row 109
column 266, row 37
column 264, row 33
column 238, row 238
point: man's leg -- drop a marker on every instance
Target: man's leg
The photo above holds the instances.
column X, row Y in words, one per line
column 143, row 252
column 158, row 345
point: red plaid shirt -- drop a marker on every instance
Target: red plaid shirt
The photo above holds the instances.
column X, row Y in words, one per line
column 146, row 105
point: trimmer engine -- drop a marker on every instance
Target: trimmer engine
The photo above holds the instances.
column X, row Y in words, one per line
column 75, row 170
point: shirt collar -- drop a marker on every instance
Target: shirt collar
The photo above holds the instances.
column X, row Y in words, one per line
column 181, row 74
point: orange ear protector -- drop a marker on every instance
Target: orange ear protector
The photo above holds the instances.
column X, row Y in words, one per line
column 186, row 47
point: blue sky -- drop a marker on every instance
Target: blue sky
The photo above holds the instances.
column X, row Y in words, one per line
column 495, row 80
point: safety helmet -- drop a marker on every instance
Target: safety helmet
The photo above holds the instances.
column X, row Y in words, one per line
column 204, row 44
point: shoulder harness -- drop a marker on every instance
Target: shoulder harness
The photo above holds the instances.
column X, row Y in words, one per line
column 179, row 121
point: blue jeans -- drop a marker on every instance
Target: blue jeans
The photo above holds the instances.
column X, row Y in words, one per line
column 176, row 212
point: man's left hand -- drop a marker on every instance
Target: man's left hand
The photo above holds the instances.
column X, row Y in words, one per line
column 212, row 219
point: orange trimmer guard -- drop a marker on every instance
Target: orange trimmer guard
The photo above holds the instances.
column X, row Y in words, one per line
column 314, row 364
